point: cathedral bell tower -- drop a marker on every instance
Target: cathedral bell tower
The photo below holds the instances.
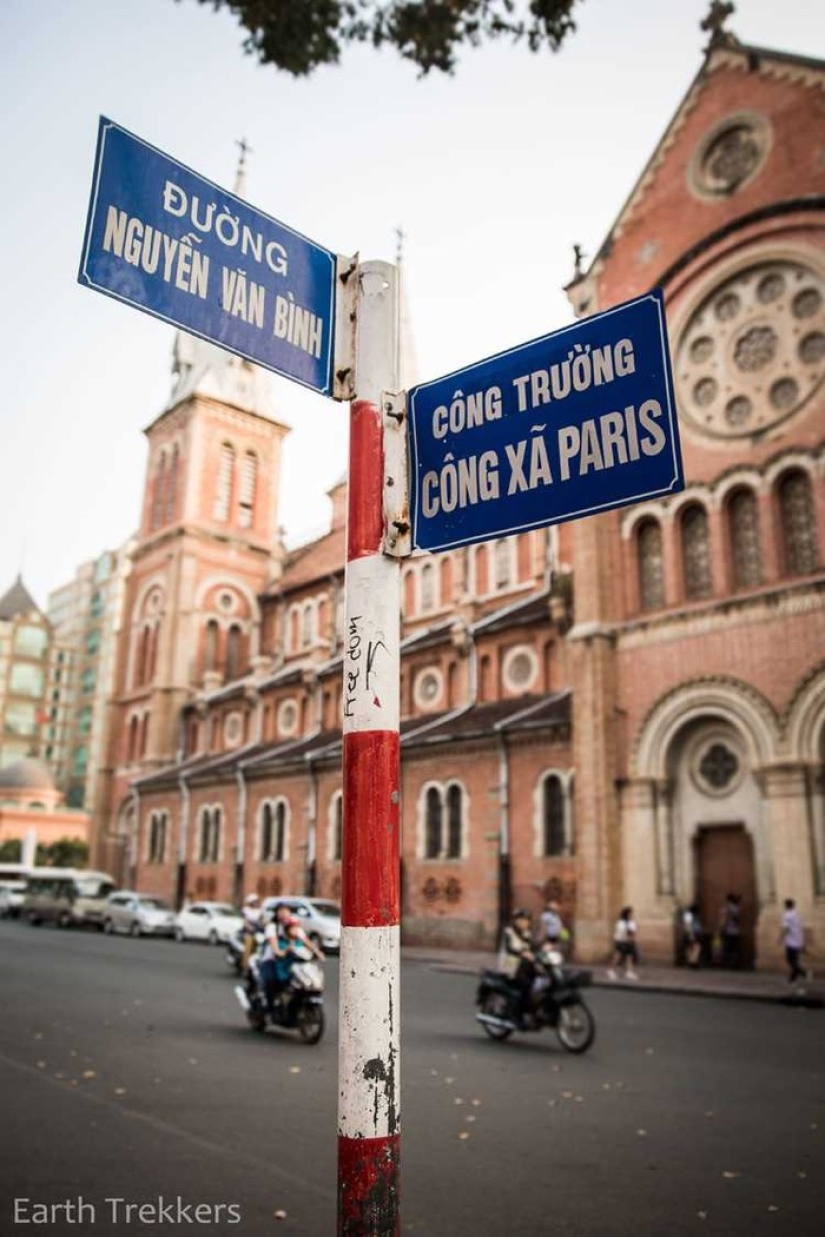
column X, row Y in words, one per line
column 207, row 546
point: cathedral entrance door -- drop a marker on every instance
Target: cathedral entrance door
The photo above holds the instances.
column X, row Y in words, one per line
column 724, row 864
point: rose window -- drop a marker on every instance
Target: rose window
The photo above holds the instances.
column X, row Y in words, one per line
column 753, row 352
column 730, row 155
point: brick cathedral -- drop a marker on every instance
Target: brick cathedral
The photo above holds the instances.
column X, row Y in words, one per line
column 627, row 709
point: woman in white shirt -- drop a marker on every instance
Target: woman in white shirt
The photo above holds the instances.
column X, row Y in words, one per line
column 625, row 950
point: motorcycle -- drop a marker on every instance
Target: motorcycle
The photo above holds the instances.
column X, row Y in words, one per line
column 299, row 1006
column 555, row 1001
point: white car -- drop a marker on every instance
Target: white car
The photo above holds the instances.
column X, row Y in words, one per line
column 320, row 918
column 215, row 922
column 139, row 914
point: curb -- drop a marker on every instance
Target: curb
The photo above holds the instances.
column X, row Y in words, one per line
column 799, row 999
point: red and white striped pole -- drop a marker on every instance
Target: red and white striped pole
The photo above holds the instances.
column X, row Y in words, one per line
column 368, row 1053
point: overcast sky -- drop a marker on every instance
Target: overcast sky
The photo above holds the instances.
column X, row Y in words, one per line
column 493, row 175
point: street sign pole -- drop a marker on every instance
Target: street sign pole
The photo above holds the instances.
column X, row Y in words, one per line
column 369, row 1037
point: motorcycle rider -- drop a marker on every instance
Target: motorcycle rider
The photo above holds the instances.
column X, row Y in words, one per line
column 283, row 940
column 252, row 924
column 517, row 959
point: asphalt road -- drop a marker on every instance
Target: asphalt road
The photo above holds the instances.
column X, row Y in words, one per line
column 127, row 1073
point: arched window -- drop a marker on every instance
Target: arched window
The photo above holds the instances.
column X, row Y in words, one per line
column 454, row 822
column 142, row 659
column 272, row 847
column 337, row 847
column 210, row 652
column 144, row 735
column 503, row 564
column 427, row 588
column 651, row 565
column 432, row 824
column 132, row 749
column 696, row 552
column 223, row 487
column 152, row 663
column 482, row 573
column 443, row 820
column 267, row 832
column 171, row 496
column 307, row 625
column 446, row 580
column 234, row 641
column 249, row 481
column 280, row 831
column 157, row 837
column 409, row 593
column 209, row 840
column 158, row 493
column 797, row 523
column 745, row 545
column 555, row 842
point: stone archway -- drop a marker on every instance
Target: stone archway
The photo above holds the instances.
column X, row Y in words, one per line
column 694, row 800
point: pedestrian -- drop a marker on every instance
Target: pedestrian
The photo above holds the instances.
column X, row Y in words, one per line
column 730, row 927
column 692, row 935
column 793, row 938
column 625, row 948
column 552, row 925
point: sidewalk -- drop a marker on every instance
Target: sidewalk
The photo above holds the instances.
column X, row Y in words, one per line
column 711, row 982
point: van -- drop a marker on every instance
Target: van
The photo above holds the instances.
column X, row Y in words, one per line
column 68, row 897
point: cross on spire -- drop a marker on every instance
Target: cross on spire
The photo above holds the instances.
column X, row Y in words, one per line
column 240, row 175
column 718, row 14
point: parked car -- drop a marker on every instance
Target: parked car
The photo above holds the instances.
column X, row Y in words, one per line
column 69, row 897
column 11, row 898
column 139, row 914
column 215, row 922
column 320, row 919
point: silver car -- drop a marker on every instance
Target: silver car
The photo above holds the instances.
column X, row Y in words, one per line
column 320, row 919
column 139, row 914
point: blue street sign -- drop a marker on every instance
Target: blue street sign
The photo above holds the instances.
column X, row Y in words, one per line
column 565, row 426
column 175, row 245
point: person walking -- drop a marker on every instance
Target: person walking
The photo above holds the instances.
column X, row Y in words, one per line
column 551, row 923
column 730, row 925
column 793, row 938
column 692, row 935
column 625, row 949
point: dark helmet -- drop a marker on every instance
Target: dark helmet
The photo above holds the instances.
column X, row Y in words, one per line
column 522, row 913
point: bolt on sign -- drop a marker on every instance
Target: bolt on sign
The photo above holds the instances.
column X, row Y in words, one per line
column 577, row 422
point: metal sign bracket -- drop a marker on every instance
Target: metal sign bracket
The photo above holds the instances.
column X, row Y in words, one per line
column 397, row 527
column 346, row 325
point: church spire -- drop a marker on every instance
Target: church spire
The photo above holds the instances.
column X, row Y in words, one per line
column 407, row 361
column 240, row 175
column 201, row 367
